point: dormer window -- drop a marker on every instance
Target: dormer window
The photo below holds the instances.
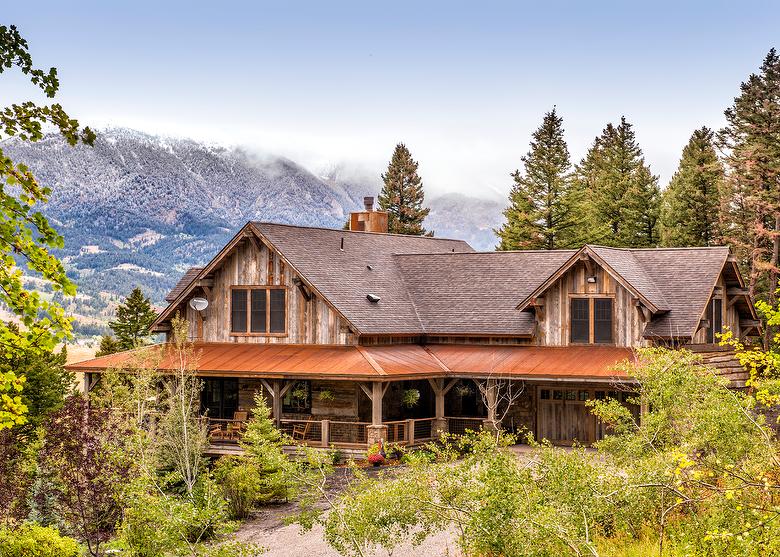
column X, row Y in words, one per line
column 590, row 321
column 258, row 310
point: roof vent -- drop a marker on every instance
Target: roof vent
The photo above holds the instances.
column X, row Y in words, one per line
column 342, row 243
column 370, row 267
column 373, row 298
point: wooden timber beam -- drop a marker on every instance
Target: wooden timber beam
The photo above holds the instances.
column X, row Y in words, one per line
column 585, row 258
column 747, row 323
column 733, row 291
column 303, row 289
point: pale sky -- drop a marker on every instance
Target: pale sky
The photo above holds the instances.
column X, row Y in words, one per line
column 463, row 84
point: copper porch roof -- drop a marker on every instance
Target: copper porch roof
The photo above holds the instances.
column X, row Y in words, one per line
column 378, row 362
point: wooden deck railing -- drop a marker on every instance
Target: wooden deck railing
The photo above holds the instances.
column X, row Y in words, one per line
column 410, row 432
column 324, row 433
column 225, row 430
column 459, row 425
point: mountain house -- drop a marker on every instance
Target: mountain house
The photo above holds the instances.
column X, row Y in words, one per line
column 355, row 336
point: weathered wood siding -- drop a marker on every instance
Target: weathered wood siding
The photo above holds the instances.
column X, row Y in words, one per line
column 255, row 264
column 553, row 325
column 730, row 314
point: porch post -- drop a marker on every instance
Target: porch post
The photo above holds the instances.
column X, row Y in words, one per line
column 440, row 425
column 276, row 394
column 377, row 432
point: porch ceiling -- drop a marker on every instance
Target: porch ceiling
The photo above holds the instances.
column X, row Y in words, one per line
column 378, row 363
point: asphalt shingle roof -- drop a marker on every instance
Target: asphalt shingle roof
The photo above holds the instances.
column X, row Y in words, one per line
column 476, row 293
column 343, row 275
column 185, row 280
column 438, row 286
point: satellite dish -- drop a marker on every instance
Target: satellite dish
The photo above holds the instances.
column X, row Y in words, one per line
column 199, row 304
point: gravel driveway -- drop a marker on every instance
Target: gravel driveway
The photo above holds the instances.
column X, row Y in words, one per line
column 267, row 529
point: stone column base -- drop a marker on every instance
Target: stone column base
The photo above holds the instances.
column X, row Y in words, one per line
column 440, row 426
column 375, row 434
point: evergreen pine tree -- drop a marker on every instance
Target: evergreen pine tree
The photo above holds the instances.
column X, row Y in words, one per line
column 620, row 197
column 402, row 195
column 540, row 212
column 691, row 203
column 751, row 142
column 133, row 319
column 108, row 345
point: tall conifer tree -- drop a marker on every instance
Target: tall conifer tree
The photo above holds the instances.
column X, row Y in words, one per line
column 690, row 213
column 539, row 215
column 620, row 198
column 751, row 141
column 402, row 195
column 133, row 319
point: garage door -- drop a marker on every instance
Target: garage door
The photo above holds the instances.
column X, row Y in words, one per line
column 563, row 417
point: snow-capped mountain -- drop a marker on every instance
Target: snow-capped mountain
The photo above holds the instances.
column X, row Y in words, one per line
column 137, row 209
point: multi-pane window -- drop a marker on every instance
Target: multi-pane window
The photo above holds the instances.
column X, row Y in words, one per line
column 590, row 320
column 580, row 320
column 715, row 317
column 258, row 311
column 602, row 320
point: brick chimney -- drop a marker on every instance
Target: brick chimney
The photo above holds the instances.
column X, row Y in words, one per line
column 368, row 220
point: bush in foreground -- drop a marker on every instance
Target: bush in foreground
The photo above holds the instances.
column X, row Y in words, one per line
column 32, row 540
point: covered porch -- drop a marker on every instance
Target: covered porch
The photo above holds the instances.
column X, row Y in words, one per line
column 353, row 396
column 345, row 414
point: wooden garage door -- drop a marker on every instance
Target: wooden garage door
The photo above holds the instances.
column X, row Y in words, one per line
column 563, row 417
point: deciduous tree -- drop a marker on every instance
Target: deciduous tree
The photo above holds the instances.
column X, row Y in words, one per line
column 25, row 233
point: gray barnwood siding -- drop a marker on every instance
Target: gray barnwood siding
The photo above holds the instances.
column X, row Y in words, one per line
column 553, row 327
column 255, row 264
column 730, row 314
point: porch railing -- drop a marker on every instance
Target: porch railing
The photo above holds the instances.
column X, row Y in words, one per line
column 221, row 430
column 323, row 433
column 410, row 432
column 459, row 426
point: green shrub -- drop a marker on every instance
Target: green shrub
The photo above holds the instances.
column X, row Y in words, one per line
column 239, row 481
column 157, row 523
column 32, row 540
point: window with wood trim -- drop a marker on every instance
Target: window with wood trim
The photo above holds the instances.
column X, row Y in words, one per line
column 715, row 317
column 590, row 321
column 258, row 310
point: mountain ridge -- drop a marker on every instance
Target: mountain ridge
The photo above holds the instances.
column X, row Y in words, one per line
column 137, row 209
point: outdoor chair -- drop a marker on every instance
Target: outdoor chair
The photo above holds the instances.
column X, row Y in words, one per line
column 237, row 426
column 301, row 431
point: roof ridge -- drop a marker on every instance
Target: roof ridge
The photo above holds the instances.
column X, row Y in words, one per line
column 659, row 248
column 503, row 252
column 392, row 234
column 647, row 276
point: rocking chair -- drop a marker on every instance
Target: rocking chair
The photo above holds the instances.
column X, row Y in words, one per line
column 301, row 431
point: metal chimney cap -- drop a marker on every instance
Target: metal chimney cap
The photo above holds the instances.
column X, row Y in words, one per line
column 368, row 202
